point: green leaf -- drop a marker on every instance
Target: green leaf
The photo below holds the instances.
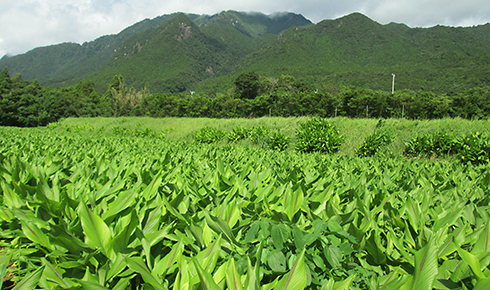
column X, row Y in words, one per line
column 333, row 255
column 52, row 274
column 376, row 253
column 95, row 229
column 34, row 234
column 170, row 259
column 30, row 281
column 473, row 262
column 137, row 265
column 207, row 281
column 293, row 201
column 4, row 262
column 221, row 227
column 91, row 285
column 483, row 284
column 152, row 188
column 482, row 245
column 425, row 267
column 123, row 201
column 344, row 285
column 295, row 279
column 277, row 261
column 233, row 279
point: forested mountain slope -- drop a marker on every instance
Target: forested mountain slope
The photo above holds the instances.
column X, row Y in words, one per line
column 182, row 52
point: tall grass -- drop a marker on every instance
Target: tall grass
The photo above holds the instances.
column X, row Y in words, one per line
column 354, row 130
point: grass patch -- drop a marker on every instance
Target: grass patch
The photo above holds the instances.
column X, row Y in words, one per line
column 355, row 131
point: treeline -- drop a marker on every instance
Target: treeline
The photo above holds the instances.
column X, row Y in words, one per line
column 29, row 104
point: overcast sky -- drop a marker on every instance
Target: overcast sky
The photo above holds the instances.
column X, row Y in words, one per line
column 26, row 24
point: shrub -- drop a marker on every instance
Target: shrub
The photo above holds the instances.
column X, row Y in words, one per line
column 317, row 135
column 258, row 134
column 209, row 135
column 474, row 148
column 372, row 143
column 436, row 144
column 238, row 133
column 277, row 141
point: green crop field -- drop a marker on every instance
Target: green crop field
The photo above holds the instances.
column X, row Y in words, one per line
column 87, row 206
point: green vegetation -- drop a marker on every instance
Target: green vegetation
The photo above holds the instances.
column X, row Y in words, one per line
column 206, row 54
column 28, row 104
column 318, row 135
column 86, row 210
column 474, row 148
column 238, row 131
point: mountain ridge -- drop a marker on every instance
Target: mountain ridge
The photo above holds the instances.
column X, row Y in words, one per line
column 207, row 52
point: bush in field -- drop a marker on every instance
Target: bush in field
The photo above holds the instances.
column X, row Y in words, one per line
column 317, row 135
column 238, row 133
column 121, row 131
column 277, row 141
column 146, row 132
column 436, row 144
column 474, row 148
column 209, row 135
column 372, row 143
column 258, row 135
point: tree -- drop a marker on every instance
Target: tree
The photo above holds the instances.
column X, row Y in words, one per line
column 248, row 85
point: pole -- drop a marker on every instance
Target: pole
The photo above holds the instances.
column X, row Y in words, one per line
column 335, row 111
column 403, row 110
column 393, row 85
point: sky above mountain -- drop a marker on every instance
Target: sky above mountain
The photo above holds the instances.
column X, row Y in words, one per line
column 26, row 24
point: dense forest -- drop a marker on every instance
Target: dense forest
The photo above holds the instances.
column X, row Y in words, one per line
column 180, row 53
column 28, row 103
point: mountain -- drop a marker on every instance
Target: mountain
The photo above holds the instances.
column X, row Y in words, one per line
column 355, row 50
column 178, row 52
column 67, row 63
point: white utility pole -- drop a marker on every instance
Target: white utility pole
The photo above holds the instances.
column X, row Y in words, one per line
column 393, row 86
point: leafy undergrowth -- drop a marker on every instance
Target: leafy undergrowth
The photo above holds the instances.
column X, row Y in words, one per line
column 143, row 213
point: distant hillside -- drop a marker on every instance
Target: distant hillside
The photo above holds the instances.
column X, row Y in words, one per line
column 68, row 63
column 179, row 52
column 354, row 50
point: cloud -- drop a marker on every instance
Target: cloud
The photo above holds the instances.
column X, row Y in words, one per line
column 26, row 24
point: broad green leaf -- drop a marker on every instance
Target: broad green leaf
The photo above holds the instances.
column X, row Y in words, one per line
column 137, row 265
column 124, row 200
column 375, row 251
column 34, row 234
column 152, row 188
column 345, row 284
column 482, row 245
column 473, row 262
column 123, row 283
column 482, row 284
column 121, row 240
column 293, row 201
column 251, row 282
column 425, row 267
column 277, row 261
column 182, row 280
column 86, row 285
column 170, row 259
column 296, row 278
column 116, row 266
column 207, row 281
column 333, row 255
column 52, row 274
column 4, row 263
column 233, row 279
column 31, row 280
column 221, row 227
column 96, row 230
